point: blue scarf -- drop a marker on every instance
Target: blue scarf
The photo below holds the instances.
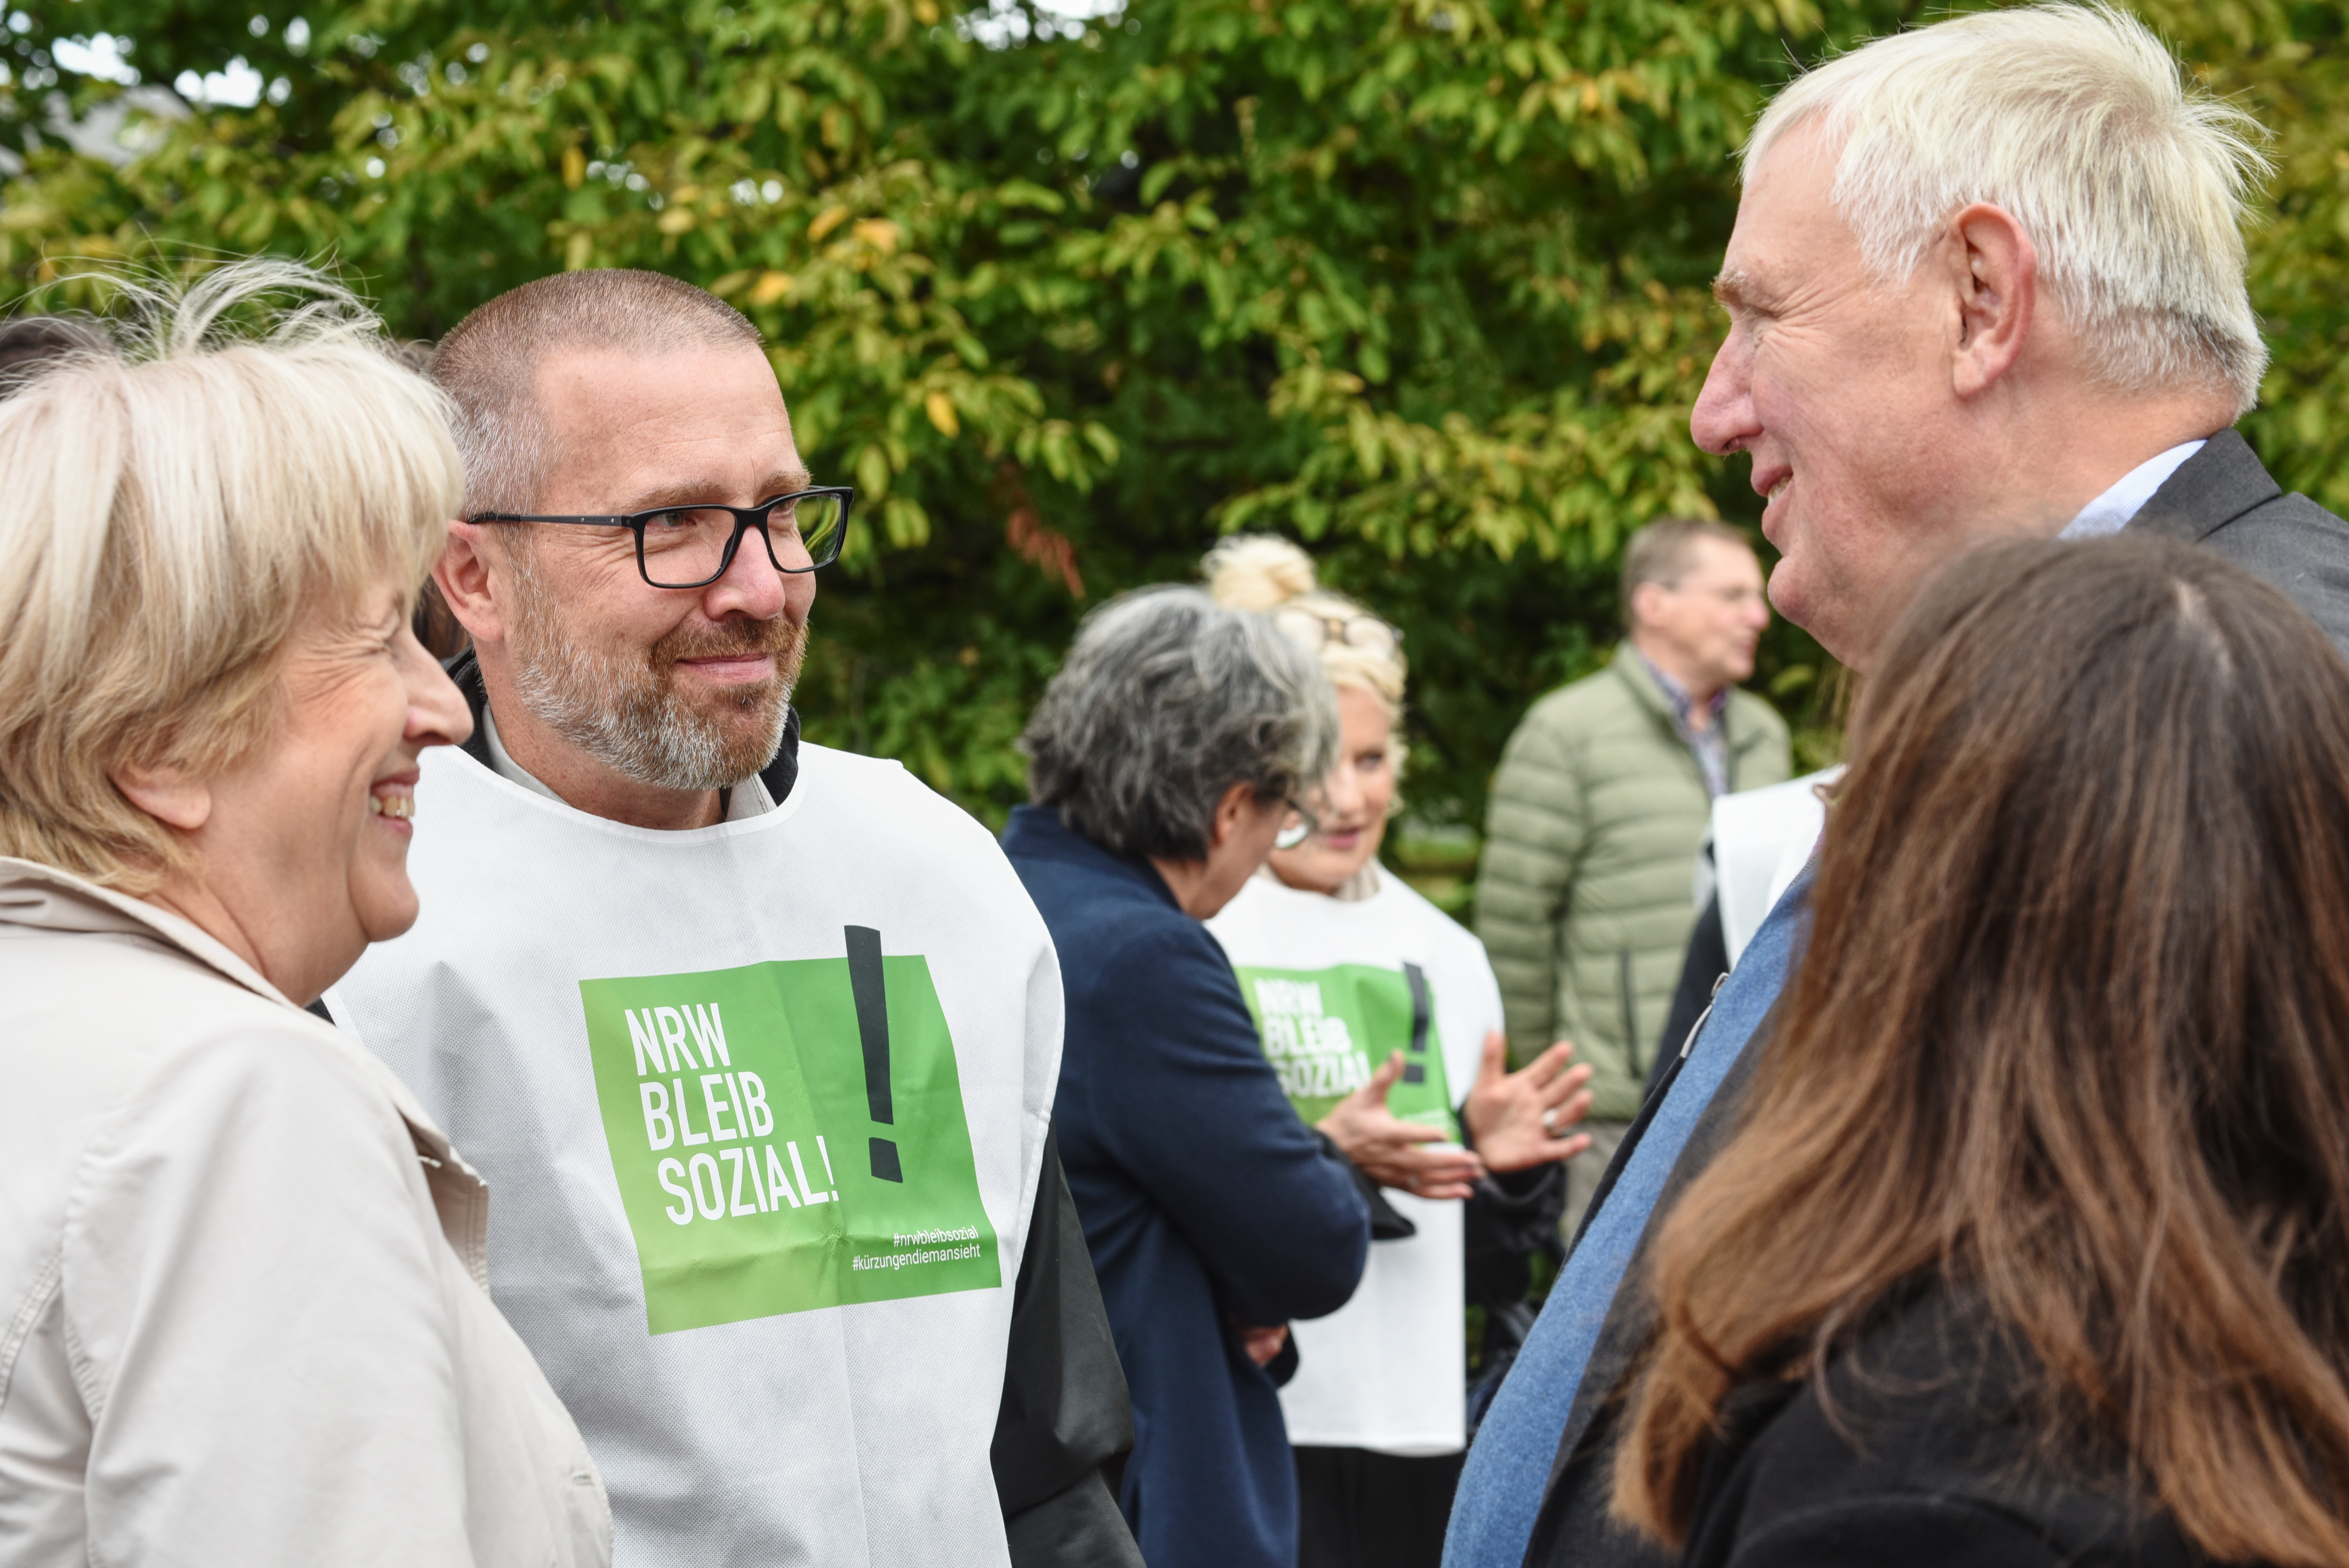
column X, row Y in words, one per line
column 1509, row 1464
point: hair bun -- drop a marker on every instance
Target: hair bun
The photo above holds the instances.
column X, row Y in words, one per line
column 1257, row 571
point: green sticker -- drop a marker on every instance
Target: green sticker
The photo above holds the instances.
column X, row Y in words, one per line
column 1325, row 1029
column 788, row 1136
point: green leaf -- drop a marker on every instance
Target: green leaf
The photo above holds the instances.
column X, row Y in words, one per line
column 1445, row 331
column 872, row 473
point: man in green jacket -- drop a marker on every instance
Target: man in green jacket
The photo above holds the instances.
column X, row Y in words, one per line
column 1585, row 898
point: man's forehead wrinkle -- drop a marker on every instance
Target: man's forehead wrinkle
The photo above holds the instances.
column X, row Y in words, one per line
column 780, row 481
column 581, row 382
column 679, row 492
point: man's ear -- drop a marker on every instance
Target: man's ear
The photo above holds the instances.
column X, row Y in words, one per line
column 1642, row 608
column 1998, row 295
column 166, row 794
column 464, row 577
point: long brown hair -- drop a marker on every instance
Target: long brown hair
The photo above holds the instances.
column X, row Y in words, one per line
column 2072, row 1034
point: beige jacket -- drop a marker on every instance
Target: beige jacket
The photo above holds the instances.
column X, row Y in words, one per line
column 244, row 1313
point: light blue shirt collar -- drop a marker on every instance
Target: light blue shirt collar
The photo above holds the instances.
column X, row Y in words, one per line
column 2110, row 512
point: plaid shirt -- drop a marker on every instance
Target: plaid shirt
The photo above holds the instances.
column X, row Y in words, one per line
column 1710, row 745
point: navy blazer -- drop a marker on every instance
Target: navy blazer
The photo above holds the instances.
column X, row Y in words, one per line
column 1204, row 1199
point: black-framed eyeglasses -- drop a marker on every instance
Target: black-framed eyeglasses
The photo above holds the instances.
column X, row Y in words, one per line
column 694, row 546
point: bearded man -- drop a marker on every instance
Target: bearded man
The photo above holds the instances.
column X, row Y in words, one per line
column 755, row 1041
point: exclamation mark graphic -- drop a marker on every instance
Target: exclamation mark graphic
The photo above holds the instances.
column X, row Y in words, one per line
column 1414, row 1067
column 873, row 1027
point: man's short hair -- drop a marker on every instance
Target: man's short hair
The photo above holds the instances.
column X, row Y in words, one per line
column 489, row 365
column 1660, row 552
column 2075, row 118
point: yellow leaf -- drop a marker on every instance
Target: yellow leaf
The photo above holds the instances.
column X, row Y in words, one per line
column 577, row 251
column 675, row 221
column 878, row 232
column 828, row 220
column 771, row 287
column 575, row 167
column 685, row 193
column 941, row 410
column 925, row 12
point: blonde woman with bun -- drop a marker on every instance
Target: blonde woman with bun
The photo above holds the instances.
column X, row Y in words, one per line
column 1382, row 1019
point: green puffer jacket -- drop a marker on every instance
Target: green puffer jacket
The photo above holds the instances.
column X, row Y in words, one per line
column 1583, row 898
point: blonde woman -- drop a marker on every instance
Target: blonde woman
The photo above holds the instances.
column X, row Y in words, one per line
column 243, row 1274
column 1382, row 1019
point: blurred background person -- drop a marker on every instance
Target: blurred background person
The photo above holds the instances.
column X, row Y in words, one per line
column 1164, row 757
column 244, row 1331
column 1585, row 896
column 2034, row 1245
column 1383, row 1020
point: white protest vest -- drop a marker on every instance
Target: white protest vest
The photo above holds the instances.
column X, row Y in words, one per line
column 1336, row 988
column 1761, row 839
column 761, row 1106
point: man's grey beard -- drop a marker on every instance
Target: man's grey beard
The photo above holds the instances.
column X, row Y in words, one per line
column 627, row 714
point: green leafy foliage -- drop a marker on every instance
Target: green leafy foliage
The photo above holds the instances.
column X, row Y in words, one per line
column 1422, row 282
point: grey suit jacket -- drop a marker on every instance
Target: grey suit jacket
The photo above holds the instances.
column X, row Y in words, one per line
column 2221, row 498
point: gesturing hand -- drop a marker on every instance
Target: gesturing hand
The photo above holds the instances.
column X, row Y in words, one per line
column 1519, row 1118
column 1261, row 1344
column 1384, row 1147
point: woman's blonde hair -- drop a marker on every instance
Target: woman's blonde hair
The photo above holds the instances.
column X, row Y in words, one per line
column 241, row 451
column 1264, row 573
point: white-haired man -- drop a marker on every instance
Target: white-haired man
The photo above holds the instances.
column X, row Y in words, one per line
column 756, row 1042
column 1986, row 278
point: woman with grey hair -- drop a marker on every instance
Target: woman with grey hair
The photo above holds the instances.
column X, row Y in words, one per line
column 247, row 1276
column 1164, row 759
column 1382, row 1019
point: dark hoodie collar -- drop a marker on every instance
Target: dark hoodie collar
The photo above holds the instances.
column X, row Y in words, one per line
column 779, row 775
